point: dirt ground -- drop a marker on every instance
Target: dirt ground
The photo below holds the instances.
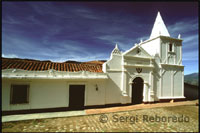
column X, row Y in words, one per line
column 161, row 119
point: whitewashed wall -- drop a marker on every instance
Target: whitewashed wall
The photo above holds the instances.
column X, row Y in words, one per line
column 152, row 46
column 166, row 84
column 178, row 85
column 177, row 47
column 52, row 93
column 172, row 82
column 113, row 88
column 93, row 97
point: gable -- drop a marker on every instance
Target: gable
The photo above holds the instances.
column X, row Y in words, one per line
column 137, row 51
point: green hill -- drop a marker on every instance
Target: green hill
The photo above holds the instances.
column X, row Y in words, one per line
column 192, row 79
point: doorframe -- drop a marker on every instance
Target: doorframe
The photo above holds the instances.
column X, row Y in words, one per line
column 77, row 83
column 131, row 88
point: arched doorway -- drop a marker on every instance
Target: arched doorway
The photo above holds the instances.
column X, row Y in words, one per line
column 137, row 90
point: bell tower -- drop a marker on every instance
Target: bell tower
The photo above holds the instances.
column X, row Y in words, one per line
column 160, row 43
column 167, row 51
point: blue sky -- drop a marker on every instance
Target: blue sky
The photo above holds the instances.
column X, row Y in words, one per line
column 85, row 31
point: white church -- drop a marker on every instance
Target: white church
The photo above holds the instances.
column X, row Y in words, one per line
column 151, row 71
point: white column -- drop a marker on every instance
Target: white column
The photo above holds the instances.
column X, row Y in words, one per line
column 181, row 54
column 172, row 83
column 145, row 92
column 123, row 80
column 151, row 87
column 124, row 95
column 160, row 80
column 167, row 46
column 183, row 83
column 124, row 83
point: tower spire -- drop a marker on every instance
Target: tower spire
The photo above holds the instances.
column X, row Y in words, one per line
column 159, row 27
column 116, row 47
column 116, row 51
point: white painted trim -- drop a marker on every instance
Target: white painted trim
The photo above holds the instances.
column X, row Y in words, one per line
column 179, row 62
column 135, row 76
column 143, row 66
column 104, row 67
column 171, row 65
column 160, row 37
column 163, row 72
column 114, row 70
column 144, row 93
column 160, row 48
column 161, row 78
column 166, row 60
column 175, row 55
column 171, row 38
column 134, row 47
column 126, row 52
column 171, row 97
column 183, row 83
column 152, row 86
column 123, row 89
column 138, row 57
column 172, row 83
column 51, row 74
column 181, row 55
column 175, row 72
column 146, row 90
column 149, row 89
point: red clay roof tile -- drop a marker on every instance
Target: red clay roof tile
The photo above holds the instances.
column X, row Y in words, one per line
column 35, row 65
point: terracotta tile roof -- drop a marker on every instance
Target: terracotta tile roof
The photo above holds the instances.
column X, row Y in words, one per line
column 36, row 65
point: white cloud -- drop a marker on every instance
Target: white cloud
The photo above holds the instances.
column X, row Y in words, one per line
column 190, row 38
column 192, row 55
column 89, row 57
column 86, row 13
column 183, row 26
column 10, row 20
column 9, row 56
column 123, row 42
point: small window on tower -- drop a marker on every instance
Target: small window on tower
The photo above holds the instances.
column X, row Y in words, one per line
column 170, row 47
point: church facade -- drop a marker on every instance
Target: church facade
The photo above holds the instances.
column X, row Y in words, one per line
column 151, row 71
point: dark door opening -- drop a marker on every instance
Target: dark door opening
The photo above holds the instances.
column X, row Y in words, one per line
column 137, row 90
column 76, row 97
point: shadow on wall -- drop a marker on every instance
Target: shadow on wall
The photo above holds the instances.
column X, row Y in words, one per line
column 113, row 92
column 190, row 91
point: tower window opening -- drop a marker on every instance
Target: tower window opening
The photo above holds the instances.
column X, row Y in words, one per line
column 170, row 47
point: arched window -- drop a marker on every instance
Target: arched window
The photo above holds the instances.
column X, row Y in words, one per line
column 170, row 47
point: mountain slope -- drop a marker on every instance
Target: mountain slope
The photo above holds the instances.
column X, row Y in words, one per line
column 192, row 79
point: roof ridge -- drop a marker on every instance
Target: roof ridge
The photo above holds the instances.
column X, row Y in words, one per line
column 69, row 61
column 37, row 65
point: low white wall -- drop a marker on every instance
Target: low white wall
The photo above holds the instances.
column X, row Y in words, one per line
column 52, row 93
column 113, row 91
column 5, row 95
column 48, row 94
